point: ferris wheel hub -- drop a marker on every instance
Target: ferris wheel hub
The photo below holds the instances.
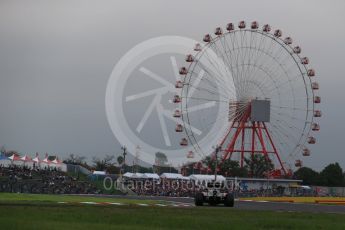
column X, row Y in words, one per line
column 260, row 110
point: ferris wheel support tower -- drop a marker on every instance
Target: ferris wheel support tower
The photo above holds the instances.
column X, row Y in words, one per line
column 252, row 121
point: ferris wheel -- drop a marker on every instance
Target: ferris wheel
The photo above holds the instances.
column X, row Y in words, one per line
column 263, row 88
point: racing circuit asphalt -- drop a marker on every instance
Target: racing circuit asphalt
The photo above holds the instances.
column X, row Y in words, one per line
column 252, row 205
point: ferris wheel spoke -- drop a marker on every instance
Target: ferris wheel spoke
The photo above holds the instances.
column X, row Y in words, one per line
column 220, row 54
column 286, row 133
column 292, row 88
column 215, row 64
column 267, row 78
column 256, row 48
column 287, row 70
column 207, row 125
column 254, row 65
column 252, row 50
column 268, row 81
column 201, row 106
column 237, row 57
column 277, row 136
column 272, row 74
column 228, row 55
column 195, row 86
column 282, row 140
column 229, row 59
column 269, row 56
column 196, row 83
column 220, row 85
column 297, row 118
column 225, row 83
column 288, row 124
column 216, row 68
column 284, row 83
column 291, row 108
column 218, row 76
column 258, row 58
column 287, row 102
column 287, row 83
column 243, row 59
column 210, row 124
column 250, row 54
column 260, row 85
column 205, row 76
column 289, row 116
column 210, row 92
column 233, row 57
column 191, row 137
column 294, row 140
column 286, row 136
column 246, row 82
column 205, row 99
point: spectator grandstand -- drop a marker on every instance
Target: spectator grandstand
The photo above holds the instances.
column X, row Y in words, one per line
column 24, row 179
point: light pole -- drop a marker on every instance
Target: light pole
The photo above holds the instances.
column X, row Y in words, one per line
column 137, row 152
column 124, row 149
column 217, row 149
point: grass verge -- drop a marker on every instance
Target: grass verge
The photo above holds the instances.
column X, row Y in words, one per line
column 132, row 217
column 323, row 200
column 8, row 198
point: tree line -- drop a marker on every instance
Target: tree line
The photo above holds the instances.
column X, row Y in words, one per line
column 258, row 167
column 332, row 175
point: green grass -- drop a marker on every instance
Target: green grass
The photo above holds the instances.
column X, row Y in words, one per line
column 21, row 198
column 18, row 211
column 131, row 217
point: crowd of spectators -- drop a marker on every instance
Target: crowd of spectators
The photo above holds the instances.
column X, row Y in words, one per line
column 163, row 187
column 23, row 179
column 188, row 188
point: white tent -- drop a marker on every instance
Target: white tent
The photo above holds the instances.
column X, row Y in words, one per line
column 201, row 177
column 98, row 172
column 36, row 159
column 27, row 161
column 45, row 162
column 128, row 175
column 185, row 178
column 152, row 176
column 139, row 175
column 134, row 175
column 173, row 176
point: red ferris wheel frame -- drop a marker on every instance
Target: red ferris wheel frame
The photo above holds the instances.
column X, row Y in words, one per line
column 246, row 136
column 258, row 129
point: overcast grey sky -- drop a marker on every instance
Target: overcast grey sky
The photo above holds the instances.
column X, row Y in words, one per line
column 56, row 58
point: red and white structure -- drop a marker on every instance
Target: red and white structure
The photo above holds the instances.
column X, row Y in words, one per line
column 14, row 157
column 27, row 161
column 36, row 159
column 264, row 88
column 26, row 158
